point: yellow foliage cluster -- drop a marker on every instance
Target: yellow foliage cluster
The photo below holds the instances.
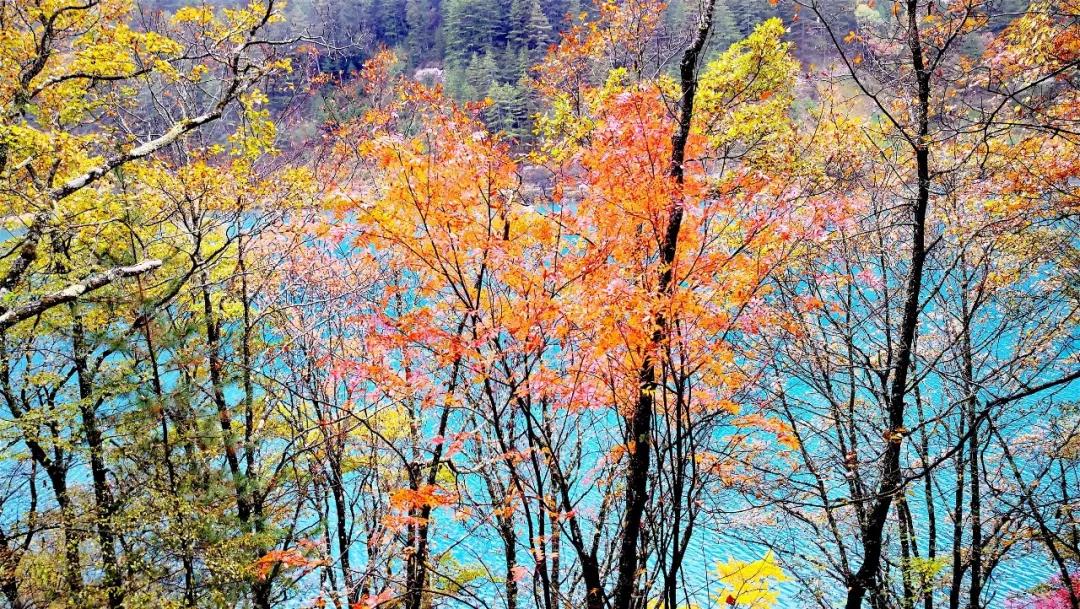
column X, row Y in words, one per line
column 750, row 585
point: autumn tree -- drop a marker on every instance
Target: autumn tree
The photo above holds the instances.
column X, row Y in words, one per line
column 520, row 315
column 894, row 381
column 93, row 102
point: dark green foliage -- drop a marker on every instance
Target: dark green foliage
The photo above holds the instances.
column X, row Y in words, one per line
column 725, row 28
column 422, row 19
column 472, row 27
column 529, row 26
column 387, row 19
column 485, row 48
column 557, row 11
column 489, row 47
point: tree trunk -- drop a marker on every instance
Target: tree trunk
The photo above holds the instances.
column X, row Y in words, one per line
column 958, row 566
column 103, row 498
column 641, row 419
column 869, row 574
column 971, row 407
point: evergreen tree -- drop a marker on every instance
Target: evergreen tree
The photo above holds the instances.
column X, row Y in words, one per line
column 527, row 108
column 471, row 26
column 482, row 72
column 421, row 17
column 725, row 27
column 529, row 26
column 514, row 62
column 388, row 17
column 507, row 110
column 558, row 12
column 454, row 82
column 748, row 13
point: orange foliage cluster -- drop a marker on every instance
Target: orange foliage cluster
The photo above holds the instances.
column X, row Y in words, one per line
column 551, row 292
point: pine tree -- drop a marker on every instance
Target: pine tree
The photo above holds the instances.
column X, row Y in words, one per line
column 421, row 18
column 513, row 63
column 455, row 84
column 725, row 27
column 472, row 26
column 529, row 26
column 504, row 112
column 388, row 17
column 527, row 107
column 749, row 13
column 482, row 72
column 559, row 13
column 518, row 15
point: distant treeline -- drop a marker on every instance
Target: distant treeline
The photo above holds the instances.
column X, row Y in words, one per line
column 484, row 49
